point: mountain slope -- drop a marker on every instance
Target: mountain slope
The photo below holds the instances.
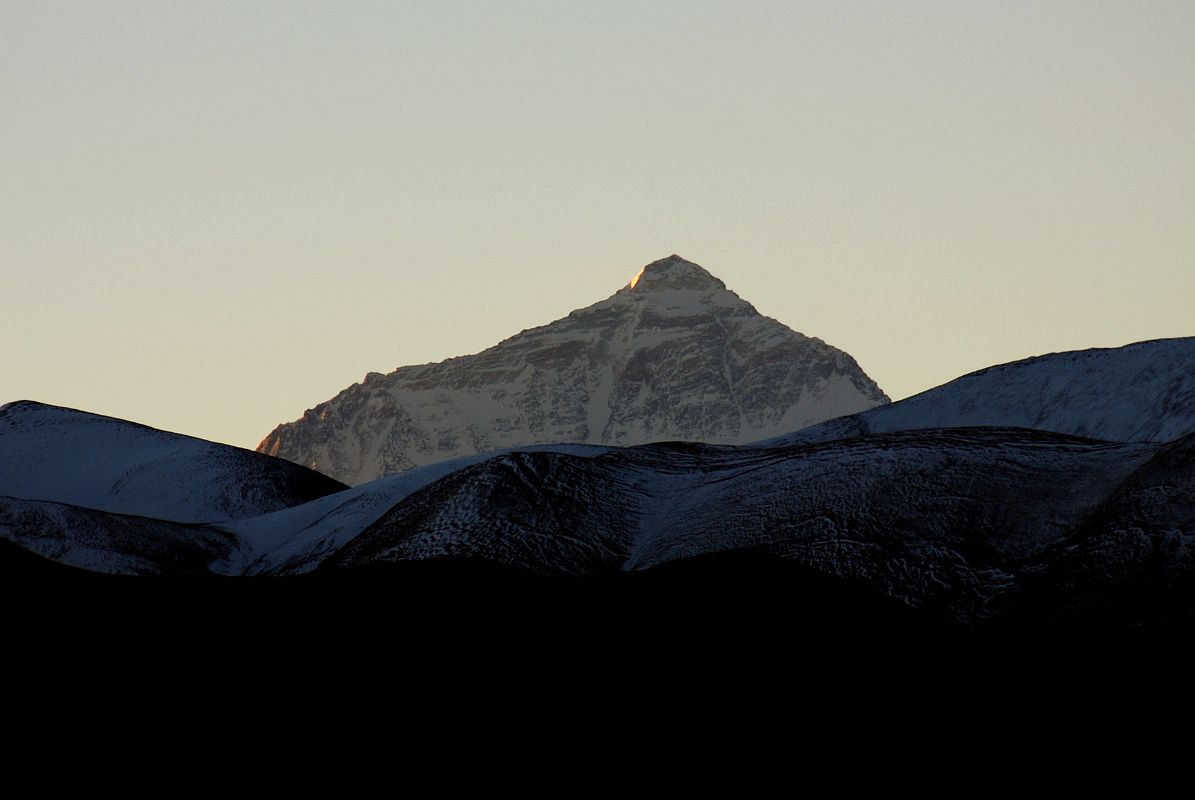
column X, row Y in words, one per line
column 1135, row 555
column 113, row 543
column 61, row 455
column 673, row 355
column 1142, row 392
column 295, row 540
column 970, row 523
column 945, row 519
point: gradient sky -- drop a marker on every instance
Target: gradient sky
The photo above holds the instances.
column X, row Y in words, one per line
column 216, row 215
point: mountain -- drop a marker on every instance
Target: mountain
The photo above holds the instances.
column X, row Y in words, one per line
column 120, row 544
column 672, row 355
column 1133, row 558
column 64, row 456
column 791, row 578
column 805, row 579
column 960, row 520
column 296, row 540
column 1142, row 392
column 971, row 523
column 967, row 524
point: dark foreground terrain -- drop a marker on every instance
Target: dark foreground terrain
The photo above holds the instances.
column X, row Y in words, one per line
column 733, row 640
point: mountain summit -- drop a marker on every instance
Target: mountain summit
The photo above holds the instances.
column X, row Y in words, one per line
column 672, row 355
column 676, row 273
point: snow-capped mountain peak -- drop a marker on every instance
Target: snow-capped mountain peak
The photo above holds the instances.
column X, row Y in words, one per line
column 673, row 354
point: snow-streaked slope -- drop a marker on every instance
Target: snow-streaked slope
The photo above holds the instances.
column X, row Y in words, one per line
column 968, row 522
column 66, row 456
column 674, row 355
column 1143, row 392
column 296, row 540
column 114, row 543
column 936, row 518
column 1134, row 557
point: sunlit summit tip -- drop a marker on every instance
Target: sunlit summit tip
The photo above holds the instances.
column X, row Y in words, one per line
column 638, row 275
column 675, row 272
column 663, row 265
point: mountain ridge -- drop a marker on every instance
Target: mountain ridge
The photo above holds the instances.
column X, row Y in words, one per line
column 971, row 523
column 1142, row 391
column 64, row 455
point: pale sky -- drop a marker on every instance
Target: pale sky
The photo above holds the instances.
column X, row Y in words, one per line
column 216, row 215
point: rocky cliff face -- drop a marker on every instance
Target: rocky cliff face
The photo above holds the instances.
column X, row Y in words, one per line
column 673, row 355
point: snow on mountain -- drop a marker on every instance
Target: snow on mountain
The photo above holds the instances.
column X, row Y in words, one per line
column 945, row 519
column 912, row 499
column 61, row 455
column 971, row 523
column 1134, row 557
column 114, row 543
column 673, row 355
column 1143, row 392
column 295, row 540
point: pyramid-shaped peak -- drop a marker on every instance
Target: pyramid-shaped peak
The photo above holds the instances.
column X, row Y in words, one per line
column 672, row 355
column 674, row 272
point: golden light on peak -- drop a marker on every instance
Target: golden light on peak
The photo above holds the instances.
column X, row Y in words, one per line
column 635, row 279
